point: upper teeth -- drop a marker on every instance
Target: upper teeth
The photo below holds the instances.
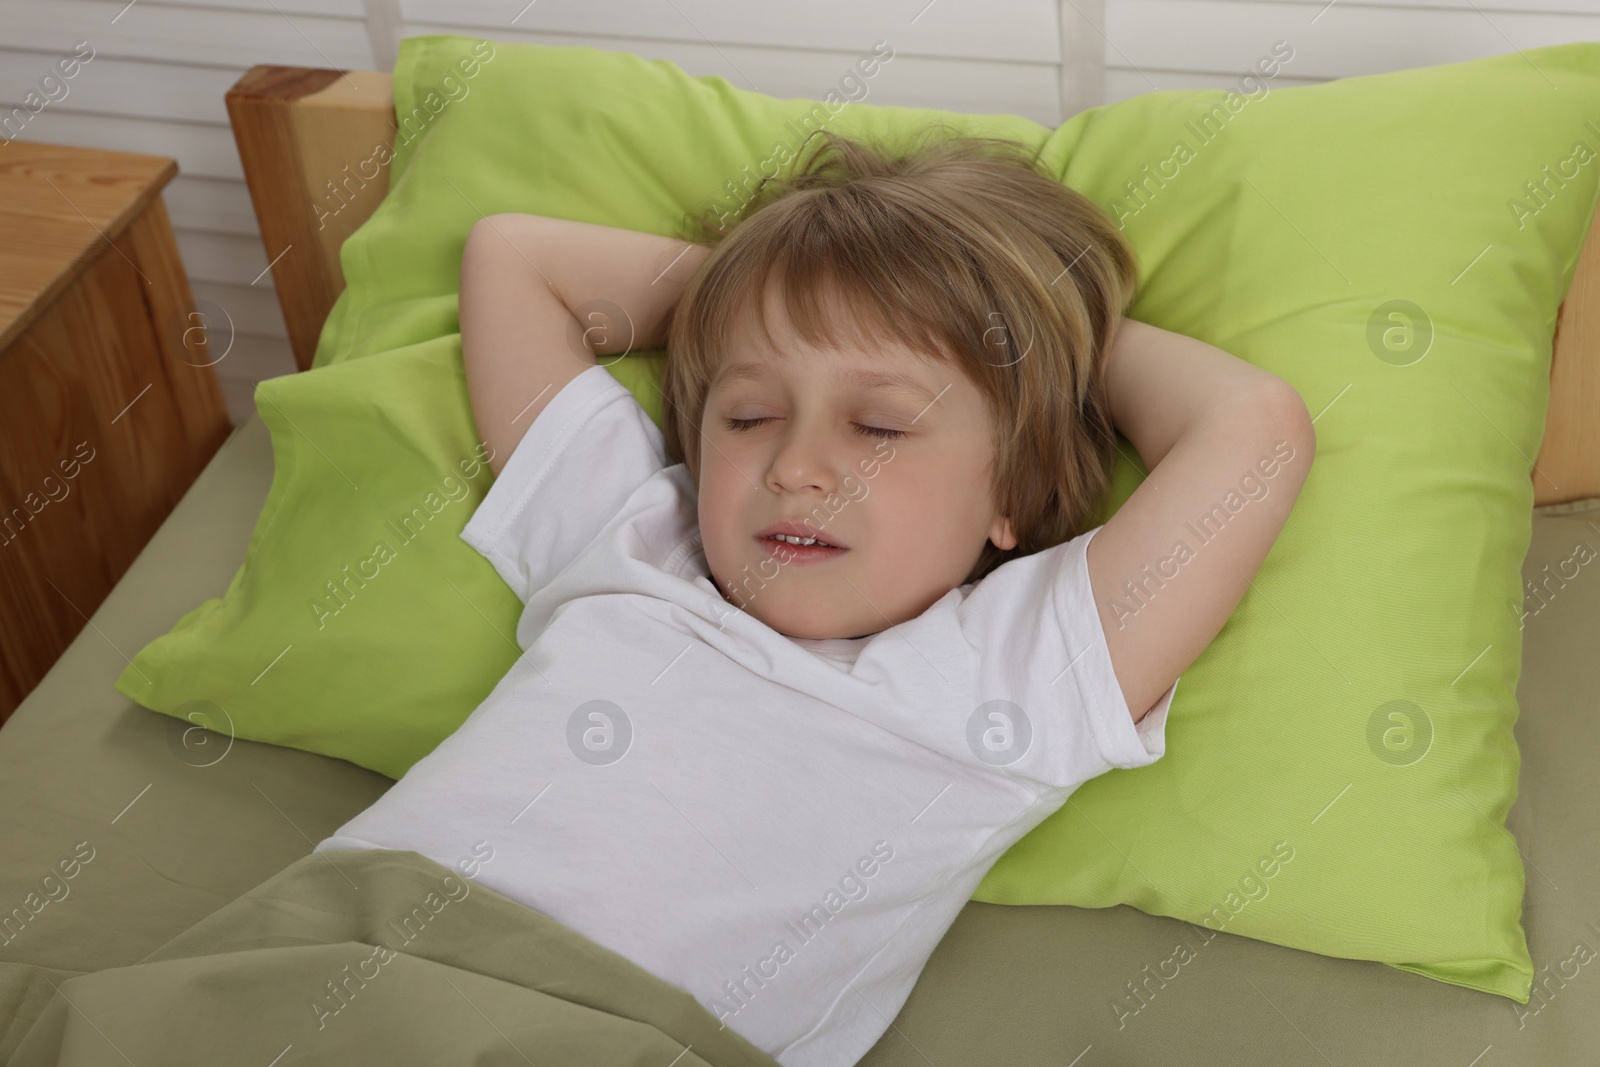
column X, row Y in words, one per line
column 793, row 540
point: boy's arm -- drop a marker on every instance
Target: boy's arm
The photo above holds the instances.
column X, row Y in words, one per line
column 524, row 278
column 1228, row 447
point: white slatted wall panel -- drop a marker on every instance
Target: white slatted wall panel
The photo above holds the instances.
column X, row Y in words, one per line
column 161, row 68
column 1194, row 44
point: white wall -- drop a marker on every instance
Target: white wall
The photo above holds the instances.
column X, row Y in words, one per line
column 160, row 70
column 1190, row 44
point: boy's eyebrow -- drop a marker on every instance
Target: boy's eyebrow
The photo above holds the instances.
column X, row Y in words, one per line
column 866, row 379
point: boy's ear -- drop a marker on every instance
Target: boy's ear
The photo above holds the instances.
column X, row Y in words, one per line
column 1002, row 535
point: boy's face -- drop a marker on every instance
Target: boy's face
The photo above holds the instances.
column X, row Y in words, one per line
column 909, row 514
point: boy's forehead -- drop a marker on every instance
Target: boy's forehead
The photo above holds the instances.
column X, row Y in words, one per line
column 845, row 369
column 857, row 357
column 770, row 334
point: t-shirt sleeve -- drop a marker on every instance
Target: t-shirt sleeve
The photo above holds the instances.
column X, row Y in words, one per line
column 576, row 466
column 1044, row 661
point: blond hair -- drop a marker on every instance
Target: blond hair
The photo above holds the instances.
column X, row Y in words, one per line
column 963, row 249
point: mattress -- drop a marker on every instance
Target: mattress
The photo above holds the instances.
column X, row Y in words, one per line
column 178, row 830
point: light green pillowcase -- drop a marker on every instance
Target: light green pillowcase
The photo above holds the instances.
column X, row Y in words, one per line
column 1340, row 759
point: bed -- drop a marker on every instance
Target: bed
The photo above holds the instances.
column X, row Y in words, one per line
column 164, row 835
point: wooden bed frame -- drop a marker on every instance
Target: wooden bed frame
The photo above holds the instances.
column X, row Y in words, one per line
column 307, row 139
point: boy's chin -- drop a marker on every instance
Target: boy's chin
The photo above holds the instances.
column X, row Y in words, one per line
column 795, row 624
column 814, row 631
column 791, row 624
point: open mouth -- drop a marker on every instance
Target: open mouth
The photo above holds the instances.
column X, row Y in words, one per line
column 791, row 548
column 801, row 542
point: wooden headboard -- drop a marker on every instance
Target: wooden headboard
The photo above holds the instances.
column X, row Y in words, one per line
column 310, row 140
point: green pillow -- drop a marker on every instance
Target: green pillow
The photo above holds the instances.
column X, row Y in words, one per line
column 1340, row 759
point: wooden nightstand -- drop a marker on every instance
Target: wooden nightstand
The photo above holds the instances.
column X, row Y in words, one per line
column 109, row 406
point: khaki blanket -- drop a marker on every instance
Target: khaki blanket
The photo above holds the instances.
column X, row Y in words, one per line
column 375, row 956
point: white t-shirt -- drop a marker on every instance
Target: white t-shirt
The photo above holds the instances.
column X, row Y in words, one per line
column 783, row 828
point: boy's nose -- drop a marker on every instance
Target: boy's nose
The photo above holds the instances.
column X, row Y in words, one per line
column 802, row 463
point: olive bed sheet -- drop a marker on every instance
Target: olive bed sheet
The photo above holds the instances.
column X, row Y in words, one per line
column 161, row 831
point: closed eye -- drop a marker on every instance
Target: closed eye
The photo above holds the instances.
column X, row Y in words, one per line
column 866, row 431
column 878, row 431
column 744, row 424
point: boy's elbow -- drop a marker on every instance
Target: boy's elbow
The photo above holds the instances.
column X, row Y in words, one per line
column 1294, row 437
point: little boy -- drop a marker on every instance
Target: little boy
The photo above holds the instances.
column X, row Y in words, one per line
column 801, row 665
